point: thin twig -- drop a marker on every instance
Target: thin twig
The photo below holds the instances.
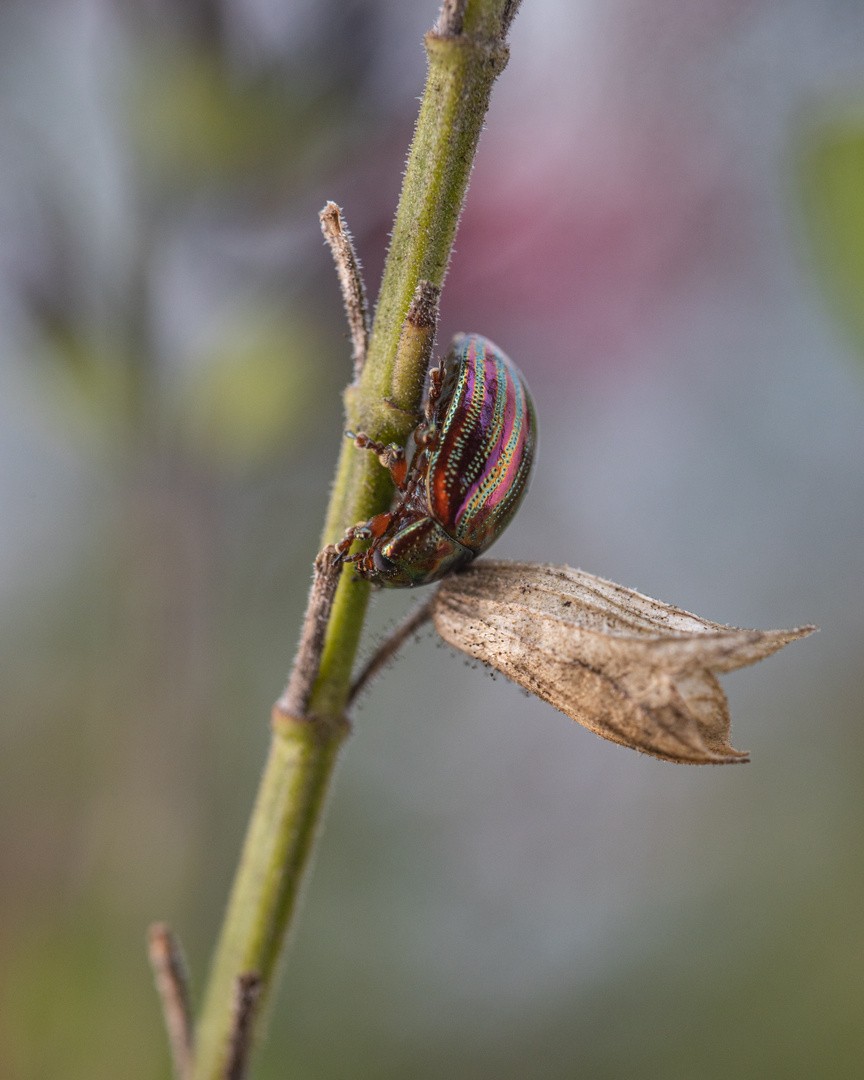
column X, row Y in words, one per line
column 172, row 982
column 388, row 648
column 350, row 281
column 247, row 994
column 295, row 696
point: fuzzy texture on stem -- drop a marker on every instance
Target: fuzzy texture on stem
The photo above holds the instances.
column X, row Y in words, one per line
column 385, row 404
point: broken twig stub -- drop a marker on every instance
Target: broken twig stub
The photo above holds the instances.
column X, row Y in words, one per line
column 632, row 669
column 172, row 982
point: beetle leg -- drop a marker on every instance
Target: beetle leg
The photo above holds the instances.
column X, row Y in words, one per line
column 344, row 545
column 391, row 456
column 365, row 565
column 436, row 381
column 366, row 530
column 426, row 434
column 360, row 531
column 378, row 525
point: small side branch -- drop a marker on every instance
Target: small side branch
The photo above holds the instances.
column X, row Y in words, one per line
column 388, row 649
column 295, row 697
column 172, row 982
column 350, row 281
column 247, row 995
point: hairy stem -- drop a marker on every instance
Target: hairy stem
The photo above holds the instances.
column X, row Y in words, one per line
column 466, row 53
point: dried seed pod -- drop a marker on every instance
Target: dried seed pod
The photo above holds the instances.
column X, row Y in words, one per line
column 629, row 668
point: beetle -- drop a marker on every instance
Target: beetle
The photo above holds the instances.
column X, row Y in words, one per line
column 467, row 477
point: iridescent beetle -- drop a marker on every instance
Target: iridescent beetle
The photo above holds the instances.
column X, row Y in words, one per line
column 468, row 475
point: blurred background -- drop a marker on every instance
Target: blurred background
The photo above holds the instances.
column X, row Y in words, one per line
column 666, row 231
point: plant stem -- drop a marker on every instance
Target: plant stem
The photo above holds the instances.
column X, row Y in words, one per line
column 384, row 403
column 289, row 803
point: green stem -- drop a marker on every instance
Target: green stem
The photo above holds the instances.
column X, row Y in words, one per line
column 385, row 404
column 281, row 830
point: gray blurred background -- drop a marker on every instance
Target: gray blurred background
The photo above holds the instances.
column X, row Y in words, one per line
column 666, row 231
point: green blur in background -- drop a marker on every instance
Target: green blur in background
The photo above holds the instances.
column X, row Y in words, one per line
column 832, row 175
column 666, row 218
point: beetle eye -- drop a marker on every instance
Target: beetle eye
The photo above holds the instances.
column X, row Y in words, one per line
column 382, row 563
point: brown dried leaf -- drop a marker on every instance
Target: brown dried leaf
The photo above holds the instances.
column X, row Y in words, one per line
column 629, row 668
